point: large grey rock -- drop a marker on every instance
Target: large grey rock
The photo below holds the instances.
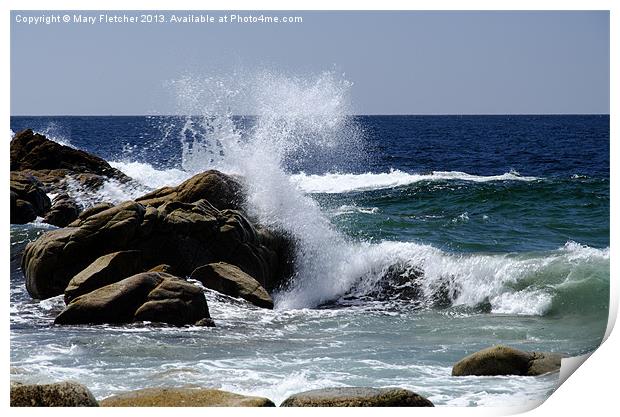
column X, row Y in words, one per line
column 61, row 394
column 357, row 397
column 504, row 360
column 184, row 397
column 230, row 280
column 148, row 296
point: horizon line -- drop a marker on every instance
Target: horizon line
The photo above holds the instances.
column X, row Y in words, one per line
column 355, row 115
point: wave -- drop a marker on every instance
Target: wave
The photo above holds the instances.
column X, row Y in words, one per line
column 573, row 279
column 343, row 183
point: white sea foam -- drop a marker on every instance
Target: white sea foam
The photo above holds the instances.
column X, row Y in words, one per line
column 343, row 183
column 150, row 176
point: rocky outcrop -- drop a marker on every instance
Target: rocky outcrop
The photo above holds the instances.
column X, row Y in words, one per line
column 28, row 198
column 230, row 280
column 64, row 210
column 56, row 256
column 357, row 397
column 504, row 360
column 148, row 296
column 184, row 397
column 182, row 235
column 105, row 270
column 61, row 394
column 51, row 162
column 222, row 191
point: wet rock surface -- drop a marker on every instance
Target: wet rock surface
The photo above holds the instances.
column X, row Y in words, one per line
column 357, row 397
column 184, row 397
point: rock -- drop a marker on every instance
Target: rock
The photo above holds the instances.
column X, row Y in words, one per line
column 357, row 397
column 504, row 360
column 184, row 397
column 56, row 256
column 28, row 198
column 544, row 363
column 105, row 270
column 61, row 394
column 182, row 235
column 230, row 280
column 52, row 161
column 174, row 301
column 148, row 296
column 97, row 208
column 221, row 190
column 64, row 210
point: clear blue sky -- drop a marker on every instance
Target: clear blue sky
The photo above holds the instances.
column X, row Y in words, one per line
column 399, row 62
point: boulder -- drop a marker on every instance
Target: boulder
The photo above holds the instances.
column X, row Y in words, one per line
column 105, row 270
column 357, row 397
column 184, row 397
column 504, row 360
column 61, row 394
column 56, row 256
column 64, row 210
column 230, row 280
column 28, row 198
column 181, row 235
column 221, row 190
column 148, row 296
column 52, row 161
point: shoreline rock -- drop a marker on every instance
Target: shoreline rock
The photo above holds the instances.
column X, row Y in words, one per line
column 60, row 394
column 357, row 397
column 148, row 296
column 184, row 236
column 28, row 198
column 230, row 280
column 184, row 397
column 504, row 360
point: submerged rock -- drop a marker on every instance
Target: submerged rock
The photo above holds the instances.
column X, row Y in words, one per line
column 184, row 397
column 357, row 397
column 148, row 296
column 61, row 394
column 230, row 280
column 28, row 198
column 504, row 360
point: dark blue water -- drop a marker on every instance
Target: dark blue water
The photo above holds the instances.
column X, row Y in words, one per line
column 568, row 154
column 549, row 146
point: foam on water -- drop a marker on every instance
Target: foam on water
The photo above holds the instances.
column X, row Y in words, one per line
column 343, row 183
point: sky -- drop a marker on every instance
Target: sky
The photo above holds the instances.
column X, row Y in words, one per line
column 415, row 62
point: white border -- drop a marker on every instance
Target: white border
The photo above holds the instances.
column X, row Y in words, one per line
column 591, row 390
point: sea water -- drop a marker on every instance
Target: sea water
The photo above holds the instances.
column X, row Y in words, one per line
column 501, row 223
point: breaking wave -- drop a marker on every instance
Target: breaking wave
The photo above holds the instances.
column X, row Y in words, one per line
column 343, row 183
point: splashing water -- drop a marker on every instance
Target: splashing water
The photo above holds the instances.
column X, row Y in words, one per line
column 292, row 116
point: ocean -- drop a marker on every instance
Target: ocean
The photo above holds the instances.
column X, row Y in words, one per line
column 498, row 224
